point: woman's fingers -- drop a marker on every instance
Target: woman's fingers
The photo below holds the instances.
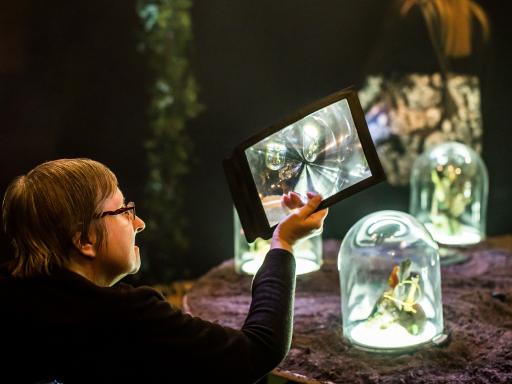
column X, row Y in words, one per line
column 301, row 223
column 292, row 200
column 311, row 206
column 297, row 200
column 318, row 217
column 311, row 194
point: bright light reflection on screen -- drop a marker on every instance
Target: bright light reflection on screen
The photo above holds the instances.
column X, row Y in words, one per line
column 321, row 153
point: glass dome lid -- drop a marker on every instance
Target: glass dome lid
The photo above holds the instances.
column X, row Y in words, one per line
column 390, row 283
column 250, row 256
column 449, row 187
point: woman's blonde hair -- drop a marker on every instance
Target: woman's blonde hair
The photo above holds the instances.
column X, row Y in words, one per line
column 453, row 21
column 43, row 210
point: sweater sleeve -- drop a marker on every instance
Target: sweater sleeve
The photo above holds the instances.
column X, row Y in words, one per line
column 270, row 319
column 203, row 350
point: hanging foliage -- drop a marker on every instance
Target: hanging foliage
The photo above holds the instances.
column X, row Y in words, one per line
column 166, row 42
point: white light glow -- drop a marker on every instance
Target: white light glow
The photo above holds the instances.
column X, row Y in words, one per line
column 254, row 262
column 275, row 156
column 370, row 334
column 310, row 142
column 311, row 131
column 465, row 236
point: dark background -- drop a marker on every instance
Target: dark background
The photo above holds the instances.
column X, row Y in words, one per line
column 73, row 84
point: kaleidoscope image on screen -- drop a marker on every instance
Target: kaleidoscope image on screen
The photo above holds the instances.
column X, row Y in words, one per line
column 321, row 153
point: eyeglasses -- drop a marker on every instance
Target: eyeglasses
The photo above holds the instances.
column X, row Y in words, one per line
column 128, row 210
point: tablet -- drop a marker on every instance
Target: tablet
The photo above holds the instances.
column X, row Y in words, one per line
column 325, row 147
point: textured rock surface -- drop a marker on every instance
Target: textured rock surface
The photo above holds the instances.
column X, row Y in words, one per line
column 477, row 304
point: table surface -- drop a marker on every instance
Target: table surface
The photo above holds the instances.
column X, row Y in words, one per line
column 478, row 320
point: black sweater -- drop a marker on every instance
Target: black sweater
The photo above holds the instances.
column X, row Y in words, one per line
column 66, row 328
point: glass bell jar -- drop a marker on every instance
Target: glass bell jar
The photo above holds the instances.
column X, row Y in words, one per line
column 390, row 284
column 449, row 187
column 249, row 256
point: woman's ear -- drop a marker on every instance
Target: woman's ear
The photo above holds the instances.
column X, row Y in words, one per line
column 85, row 248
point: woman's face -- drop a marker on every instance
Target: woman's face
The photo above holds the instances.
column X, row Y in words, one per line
column 119, row 256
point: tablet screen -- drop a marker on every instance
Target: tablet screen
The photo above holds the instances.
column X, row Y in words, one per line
column 321, row 152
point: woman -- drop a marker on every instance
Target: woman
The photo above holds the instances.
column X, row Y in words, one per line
column 66, row 317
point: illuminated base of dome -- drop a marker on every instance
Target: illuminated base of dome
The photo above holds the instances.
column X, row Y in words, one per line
column 466, row 236
column 369, row 335
column 250, row 265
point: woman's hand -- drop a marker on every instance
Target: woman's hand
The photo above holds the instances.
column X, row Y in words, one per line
column 301, row 223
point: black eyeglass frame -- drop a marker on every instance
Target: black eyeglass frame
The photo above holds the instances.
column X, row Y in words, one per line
column 130, row 206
